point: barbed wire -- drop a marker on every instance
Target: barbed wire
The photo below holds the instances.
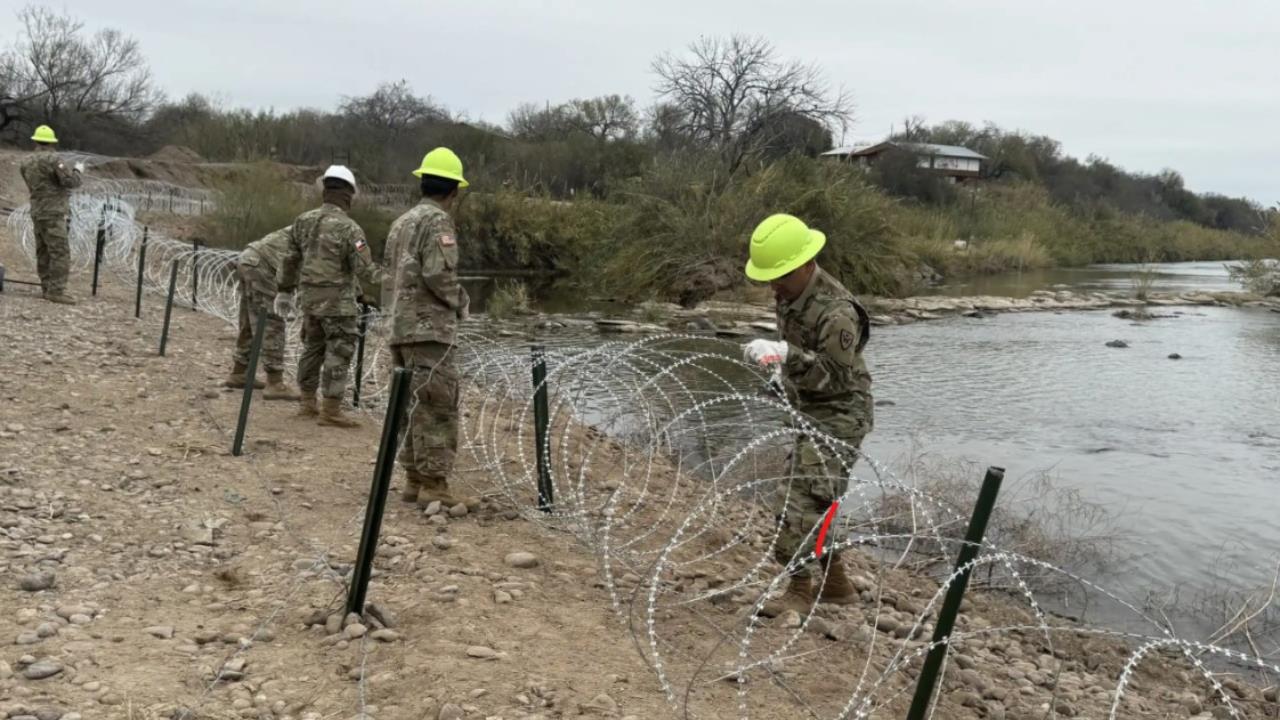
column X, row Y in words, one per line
column 667, row 457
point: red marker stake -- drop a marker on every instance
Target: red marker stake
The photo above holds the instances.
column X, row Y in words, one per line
column 826, row 525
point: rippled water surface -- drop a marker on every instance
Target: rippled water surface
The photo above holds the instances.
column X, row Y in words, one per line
column 1186, row 452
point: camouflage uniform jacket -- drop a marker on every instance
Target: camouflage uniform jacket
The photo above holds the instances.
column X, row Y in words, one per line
column 50, row 182
column 268, row 253
column 328, row 262
column 826, row 329
column 422, row 295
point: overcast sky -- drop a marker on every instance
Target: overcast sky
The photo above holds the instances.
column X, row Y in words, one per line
column 1148, row 84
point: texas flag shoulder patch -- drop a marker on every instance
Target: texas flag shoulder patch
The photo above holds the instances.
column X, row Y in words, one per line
column 448, row 240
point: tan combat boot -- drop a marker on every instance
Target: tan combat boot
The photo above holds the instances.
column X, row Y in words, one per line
column 61, row 299
column 436, row 490
column 309, row 407
column 237, row 378
column 331, row 414
column 837, row 590
column 798, row 597
column 412, row 485
column 277, row 390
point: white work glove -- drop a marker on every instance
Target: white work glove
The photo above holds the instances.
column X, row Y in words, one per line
column 285, row 306
column 765, row 352
column 78, row 167
column 464, row 312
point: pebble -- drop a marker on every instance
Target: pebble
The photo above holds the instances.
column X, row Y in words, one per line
column 792, row 620
column 41, row 670
column 385, row 635
column 47, row 630
column 522, row 560
column 27, row 638
column 1175, row 356
column 36, row 582
column 163, row 632
column 501, row 597
column 449, row 712
column 79, row 619
column 481, row 652
column 603, row 704
column 48, row 714
column 457, row 511
column 442, row 542
column 354, row 631
column 433, row 508
column 92, row 686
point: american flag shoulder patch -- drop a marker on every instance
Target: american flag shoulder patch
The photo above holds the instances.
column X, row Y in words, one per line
column 447, row 239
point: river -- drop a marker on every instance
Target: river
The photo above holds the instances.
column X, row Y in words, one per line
column 1184, row 455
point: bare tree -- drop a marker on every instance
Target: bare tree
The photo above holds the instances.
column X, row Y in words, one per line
column 56, row 71
column 392, row 108
column 730, row 90
column 531, row 121
column 609, row 117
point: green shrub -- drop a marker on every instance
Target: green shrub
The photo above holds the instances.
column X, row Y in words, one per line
column 250, row 205
column 509, row 299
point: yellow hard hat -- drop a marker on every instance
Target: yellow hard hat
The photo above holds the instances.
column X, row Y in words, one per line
column 781, row 244
column 44, row 134
column 443, row 163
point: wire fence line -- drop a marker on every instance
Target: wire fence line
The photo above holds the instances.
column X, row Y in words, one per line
column 666, row 456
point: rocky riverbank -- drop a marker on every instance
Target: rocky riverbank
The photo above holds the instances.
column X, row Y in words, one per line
column 730, row 319
column 149, row 574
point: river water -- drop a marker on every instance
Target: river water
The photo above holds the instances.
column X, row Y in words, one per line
column 1184, row 455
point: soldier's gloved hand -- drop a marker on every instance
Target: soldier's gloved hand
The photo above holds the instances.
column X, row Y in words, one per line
column 765, row 352
column 285, row 306
column 78, row 167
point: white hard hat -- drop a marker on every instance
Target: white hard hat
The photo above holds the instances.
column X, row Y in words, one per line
column 341, row 172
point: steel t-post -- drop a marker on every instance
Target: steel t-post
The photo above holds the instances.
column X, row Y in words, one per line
column 168, row 306
column 378, row 493
column 250, row 376
column 142, row 265
column 541, row 419
column 955, row 594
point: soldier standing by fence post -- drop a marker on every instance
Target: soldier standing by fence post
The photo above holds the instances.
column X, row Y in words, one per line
column 50, row 182
column 330, row 265
column 256, row 270
column 426, row 303
column 823, row 330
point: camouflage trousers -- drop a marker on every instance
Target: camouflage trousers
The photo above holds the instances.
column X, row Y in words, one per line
column 53, row 252
column 430, row 441
column 819, row 477
column 328, row 342
column 258, row 293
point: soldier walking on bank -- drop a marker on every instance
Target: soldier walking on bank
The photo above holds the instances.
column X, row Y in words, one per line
column 823, row 330
column 256, row 268
column 50, row 182
column 330, row 265
column 425, row 303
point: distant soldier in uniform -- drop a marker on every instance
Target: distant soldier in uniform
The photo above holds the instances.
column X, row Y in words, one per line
column 329, row 263
column 425, row 304
column 256, row 269
column 50, row 182
column 823, row 330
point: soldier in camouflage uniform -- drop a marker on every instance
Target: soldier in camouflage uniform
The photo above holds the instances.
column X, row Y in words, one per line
column 256, row 269
column 426, row 303
column 50, row 182
column 331, row 266
column 824, row 330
